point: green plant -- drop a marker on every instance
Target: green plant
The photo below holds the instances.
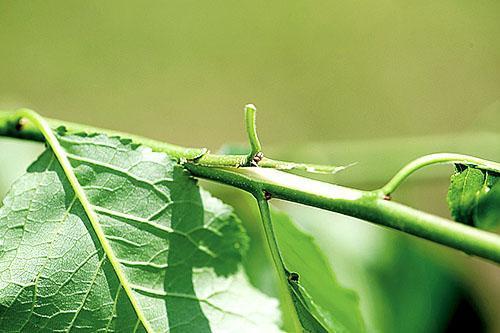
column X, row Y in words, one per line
column 108, row 231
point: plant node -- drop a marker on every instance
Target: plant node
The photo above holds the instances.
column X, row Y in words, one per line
column 256, row 159
column 267, row 195
column 21, row 123
column 293, row 277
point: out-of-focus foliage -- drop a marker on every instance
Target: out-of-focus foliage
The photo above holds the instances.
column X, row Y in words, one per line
column 388, row 271
column 474, row 197
column 316, row 291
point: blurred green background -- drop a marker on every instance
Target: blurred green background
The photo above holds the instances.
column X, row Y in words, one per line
column 335, row 82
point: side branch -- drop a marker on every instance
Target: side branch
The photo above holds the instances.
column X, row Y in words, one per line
column 255, row 155
column 440, row 158
column 279, row 266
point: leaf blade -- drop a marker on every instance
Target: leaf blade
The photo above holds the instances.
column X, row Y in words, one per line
column 323, row 304
column 138, row 223
column 474, row 197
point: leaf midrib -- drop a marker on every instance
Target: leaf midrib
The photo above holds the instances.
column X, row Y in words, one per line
column 63, row 160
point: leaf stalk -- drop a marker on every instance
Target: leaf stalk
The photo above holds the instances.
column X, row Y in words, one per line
column 277, row 259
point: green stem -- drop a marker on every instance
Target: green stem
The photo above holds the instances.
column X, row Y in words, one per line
column 368, row 206
column 12, row 126
column 277, row 260
column 440, row 158
column 251, row 128
column 361, row 204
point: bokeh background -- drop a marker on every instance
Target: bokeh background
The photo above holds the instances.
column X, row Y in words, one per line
column 377, row 83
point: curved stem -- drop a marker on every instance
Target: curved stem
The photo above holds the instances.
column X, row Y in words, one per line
column 256, row 149
column 277, row 260
column 439, row 158
column 251, row 128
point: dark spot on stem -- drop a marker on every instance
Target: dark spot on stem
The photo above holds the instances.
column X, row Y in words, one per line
column 21, row 123
column 267, row 195
column 293, row 277
column 256, row 159
column 387, row 197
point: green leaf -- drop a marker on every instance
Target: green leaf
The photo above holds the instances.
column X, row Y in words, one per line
column 474, row 197
column 462, row 194
column 322, row 304
column 487, row 212
column 169, row 260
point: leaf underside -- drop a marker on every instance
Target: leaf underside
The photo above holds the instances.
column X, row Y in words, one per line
column 178, row 248
column 322, row 304
column 474, row 197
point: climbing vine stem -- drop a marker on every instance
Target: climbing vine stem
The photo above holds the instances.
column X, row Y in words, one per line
column 366, row 205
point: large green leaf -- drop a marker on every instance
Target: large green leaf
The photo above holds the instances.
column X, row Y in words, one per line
column 322, row 304
column 474, row 197
column 169, row 260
